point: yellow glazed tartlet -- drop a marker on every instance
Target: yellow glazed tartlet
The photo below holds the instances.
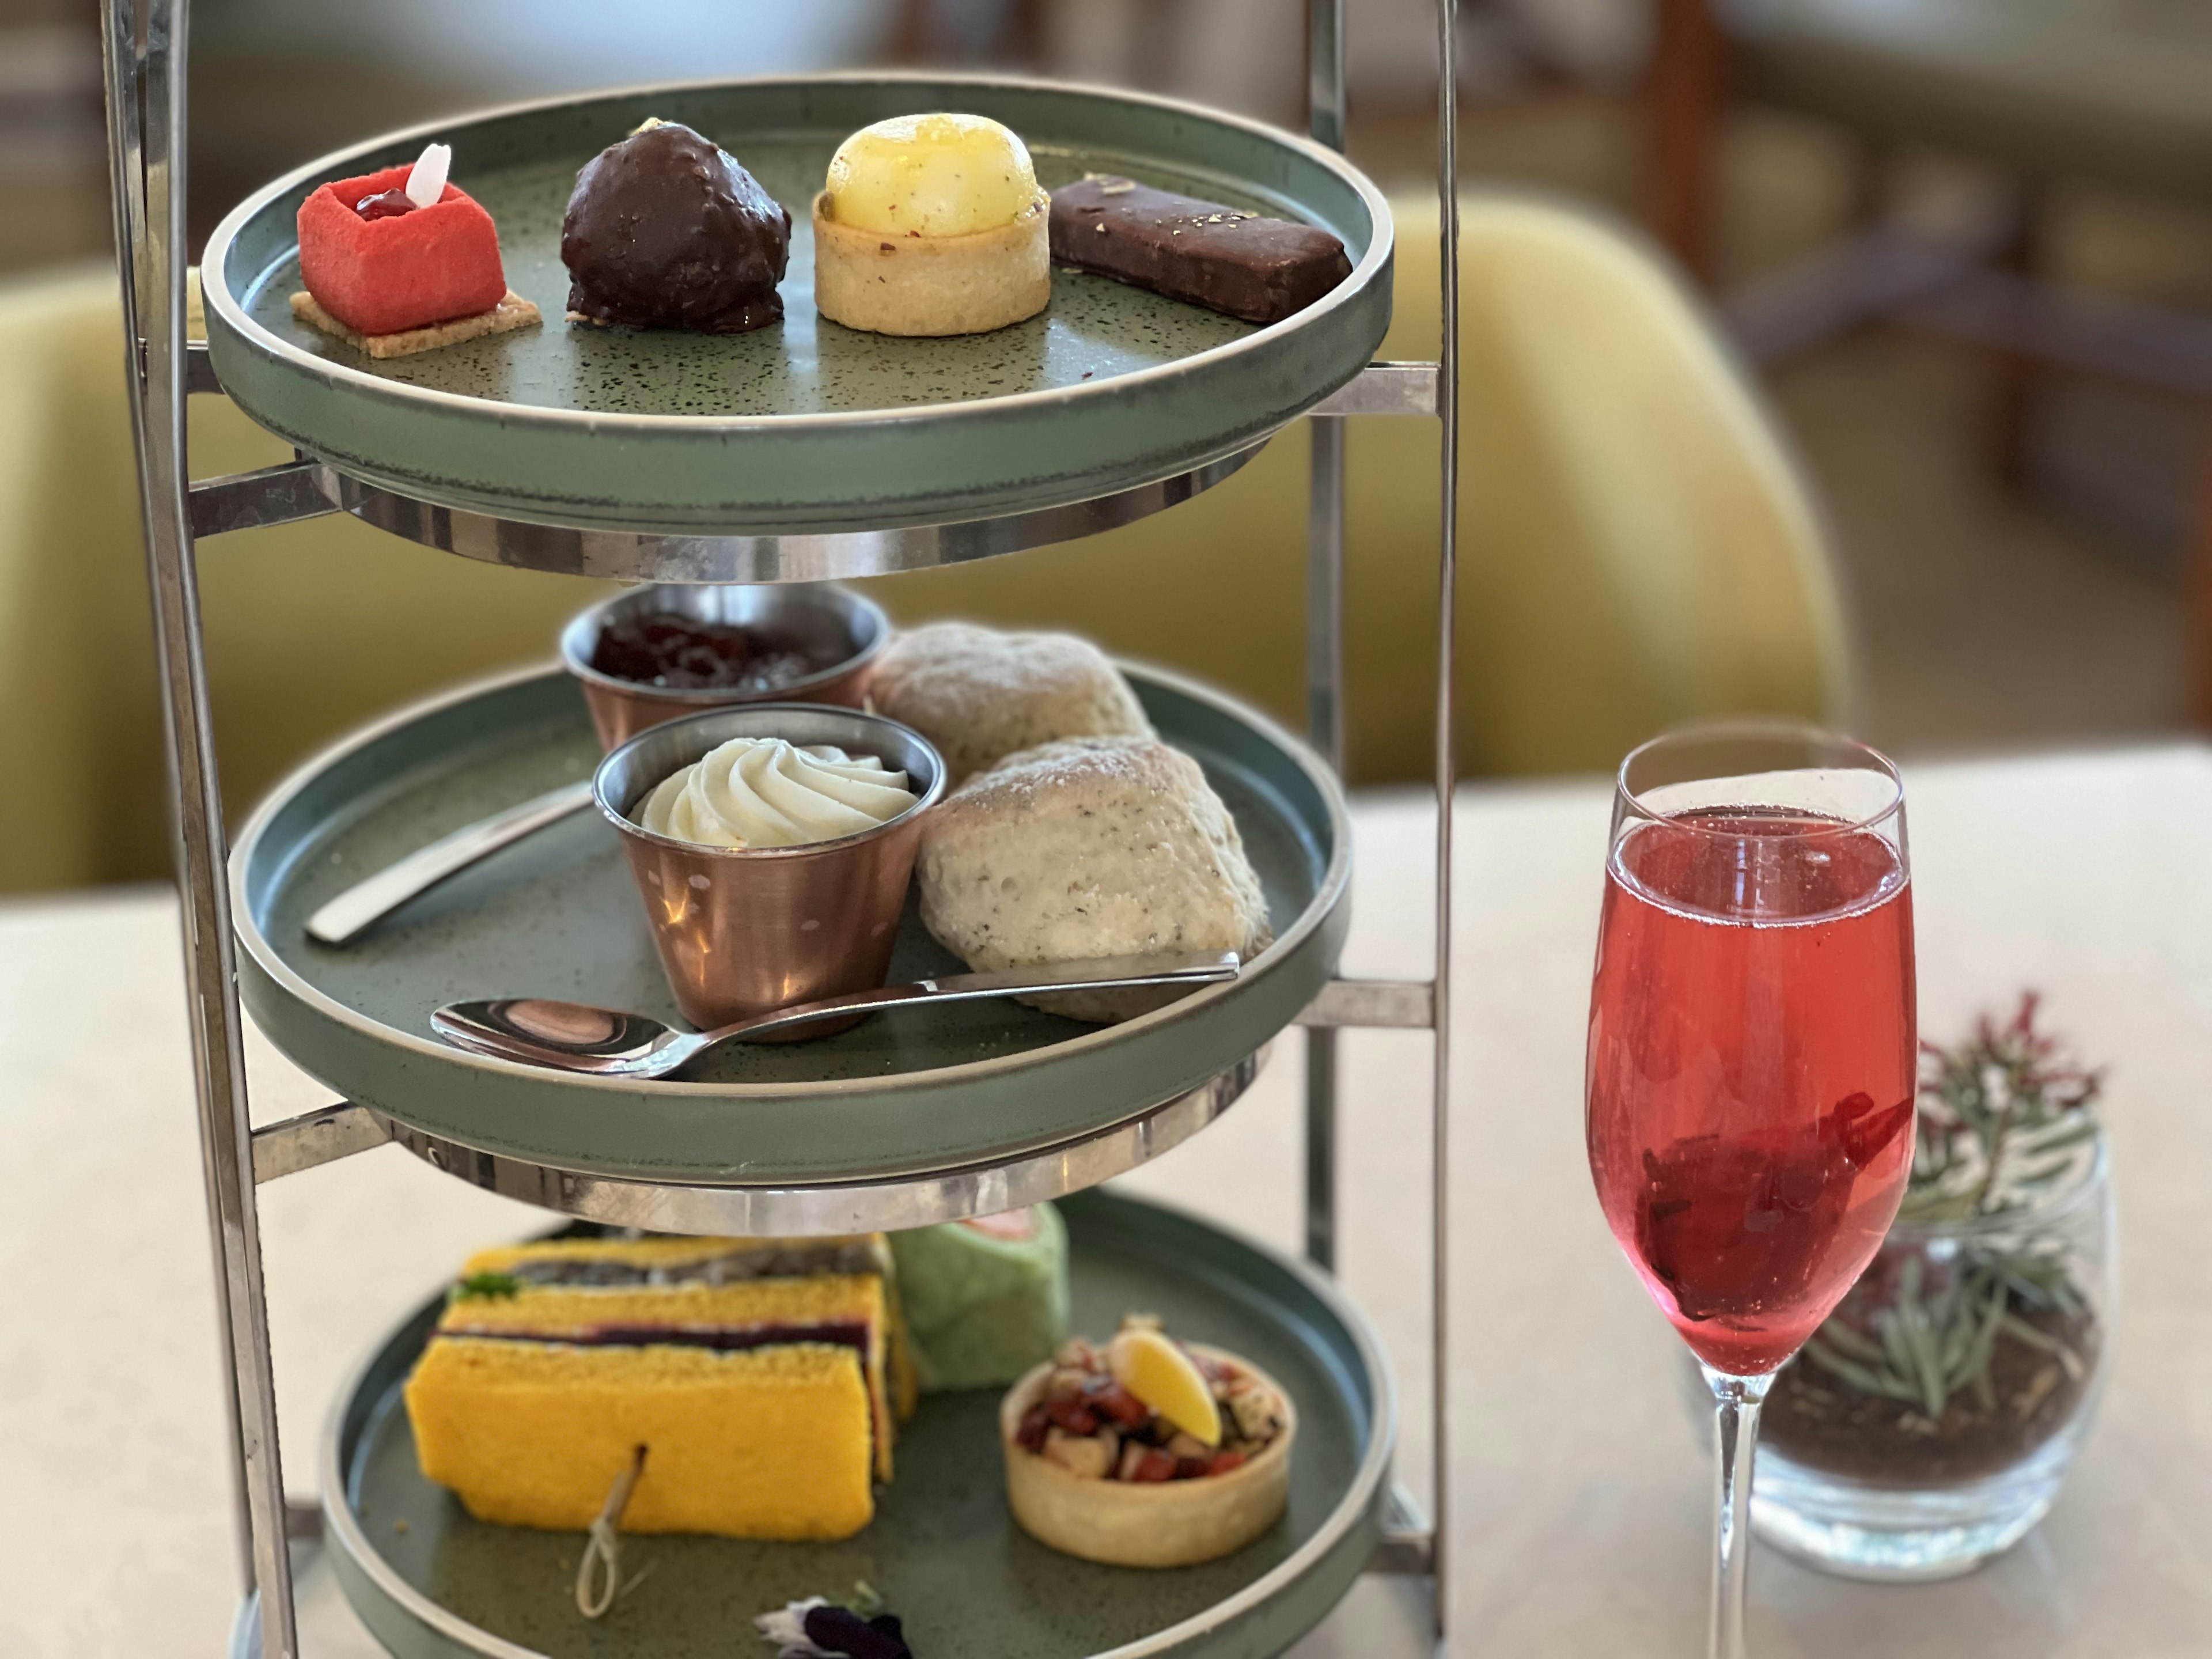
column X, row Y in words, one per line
column 932, row 224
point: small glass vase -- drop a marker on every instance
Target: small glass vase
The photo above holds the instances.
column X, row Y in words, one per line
column 1930, row 1422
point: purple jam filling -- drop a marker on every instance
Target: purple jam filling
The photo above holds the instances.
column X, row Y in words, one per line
column 837, row 1333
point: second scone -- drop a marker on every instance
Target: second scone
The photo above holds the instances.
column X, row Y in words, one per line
column 980, row 696
column 1091, row 847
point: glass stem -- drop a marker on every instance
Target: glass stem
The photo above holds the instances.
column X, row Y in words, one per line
column 1736, row 1419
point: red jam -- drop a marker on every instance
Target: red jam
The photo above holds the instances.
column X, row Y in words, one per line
column 388, row 206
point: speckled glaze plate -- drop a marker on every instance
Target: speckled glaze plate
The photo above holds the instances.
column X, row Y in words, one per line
column 558, row 916
column 807, row 426
column 432, row 1583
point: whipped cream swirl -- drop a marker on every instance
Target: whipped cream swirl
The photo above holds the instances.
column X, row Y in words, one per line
column 765, row 791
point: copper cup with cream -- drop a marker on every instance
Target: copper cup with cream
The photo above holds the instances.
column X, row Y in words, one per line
column 806, row 643
column 773, row 845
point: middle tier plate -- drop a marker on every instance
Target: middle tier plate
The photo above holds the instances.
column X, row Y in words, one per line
column 899, row 1096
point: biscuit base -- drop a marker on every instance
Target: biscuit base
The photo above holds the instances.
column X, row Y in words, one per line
column 929, row 285
column 510, row 314
column 1167, row 1523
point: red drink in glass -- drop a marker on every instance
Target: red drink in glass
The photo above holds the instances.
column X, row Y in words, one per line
column 1751, row 1069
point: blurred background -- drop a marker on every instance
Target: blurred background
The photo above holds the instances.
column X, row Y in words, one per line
column 1956, row 257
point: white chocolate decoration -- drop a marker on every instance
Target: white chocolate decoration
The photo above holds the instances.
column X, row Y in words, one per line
column 764, row 792
column 931, row 175
column 427, row 183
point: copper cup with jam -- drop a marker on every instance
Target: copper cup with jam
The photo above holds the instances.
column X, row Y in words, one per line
column 748, row 929
column 661, row 652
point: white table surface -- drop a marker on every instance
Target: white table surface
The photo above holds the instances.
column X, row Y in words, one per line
column 1579, row 1474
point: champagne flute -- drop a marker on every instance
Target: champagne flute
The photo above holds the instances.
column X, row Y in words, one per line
column 1752, row 1055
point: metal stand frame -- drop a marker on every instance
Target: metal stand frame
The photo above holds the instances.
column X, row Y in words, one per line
column 144, row 52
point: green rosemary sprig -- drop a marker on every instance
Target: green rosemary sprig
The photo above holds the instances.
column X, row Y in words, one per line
column 2003, row 1117
column 480, row 1287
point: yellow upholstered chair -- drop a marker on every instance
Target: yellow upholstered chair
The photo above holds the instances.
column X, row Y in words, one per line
column 1636, row 545
column 1637, row 549
column 311, row 627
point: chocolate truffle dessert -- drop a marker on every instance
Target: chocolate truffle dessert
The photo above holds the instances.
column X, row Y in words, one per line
column 666, row 230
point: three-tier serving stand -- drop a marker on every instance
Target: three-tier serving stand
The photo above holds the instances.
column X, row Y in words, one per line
column 145, row 54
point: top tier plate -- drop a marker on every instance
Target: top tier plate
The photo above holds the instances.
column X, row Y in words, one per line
column 805, row 428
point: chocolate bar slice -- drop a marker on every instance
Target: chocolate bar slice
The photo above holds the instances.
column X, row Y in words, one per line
column 1260, row 270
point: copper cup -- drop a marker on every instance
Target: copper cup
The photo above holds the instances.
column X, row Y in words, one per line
column 824, row 621
column 746, row 930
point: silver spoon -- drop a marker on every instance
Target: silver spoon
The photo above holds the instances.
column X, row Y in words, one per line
column 575, row 1036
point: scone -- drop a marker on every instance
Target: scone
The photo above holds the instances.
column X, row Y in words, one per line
column 1091, row 847
column 932, row 224
column 980, row 696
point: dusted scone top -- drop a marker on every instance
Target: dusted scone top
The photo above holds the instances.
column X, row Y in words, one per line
column 980, row 696
column 1095, row 847
column 764, row 792
column 931, row 175
column 666, row 230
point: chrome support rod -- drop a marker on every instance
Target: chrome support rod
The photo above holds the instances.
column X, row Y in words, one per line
column 1325, row 115
column 1325, row 591
column 1446, row 758
column 1384, row 387
column 1407, row 1547
column 1390, row 1004
column 1325, row 96
column 144, row 57
column 314, row 1139
column 199, row 368
column 284, row 494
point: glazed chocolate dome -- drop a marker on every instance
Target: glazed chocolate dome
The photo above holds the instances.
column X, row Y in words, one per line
column 666, row 230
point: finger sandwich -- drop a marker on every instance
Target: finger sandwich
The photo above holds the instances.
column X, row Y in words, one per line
column 761, row 1376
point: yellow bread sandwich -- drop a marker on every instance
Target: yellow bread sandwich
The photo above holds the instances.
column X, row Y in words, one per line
column 756, row 1374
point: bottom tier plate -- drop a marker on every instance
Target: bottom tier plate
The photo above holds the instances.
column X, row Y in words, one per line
column 943, row 1550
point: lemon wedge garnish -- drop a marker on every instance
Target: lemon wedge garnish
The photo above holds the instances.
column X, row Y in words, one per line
column 1161, row 1374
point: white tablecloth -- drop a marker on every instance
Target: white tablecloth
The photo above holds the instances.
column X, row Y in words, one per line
column 1579, row 1472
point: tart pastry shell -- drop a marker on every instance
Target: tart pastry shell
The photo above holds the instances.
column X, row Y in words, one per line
column 1167, row 1523
column 932, row 284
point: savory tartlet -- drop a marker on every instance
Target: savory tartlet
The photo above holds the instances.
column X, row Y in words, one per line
column 1094, row 1470
column 932, row 224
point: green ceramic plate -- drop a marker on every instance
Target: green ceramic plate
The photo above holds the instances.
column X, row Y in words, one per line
column 943, row 1550
column 558, row 916
column 807, row 426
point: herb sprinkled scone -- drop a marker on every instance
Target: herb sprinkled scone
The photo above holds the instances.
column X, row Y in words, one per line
column 1146, row 1451
column 760, row 1375
column 1092, row 847
column 984, row 1300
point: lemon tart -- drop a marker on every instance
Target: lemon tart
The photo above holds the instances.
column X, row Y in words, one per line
column 932, row 224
